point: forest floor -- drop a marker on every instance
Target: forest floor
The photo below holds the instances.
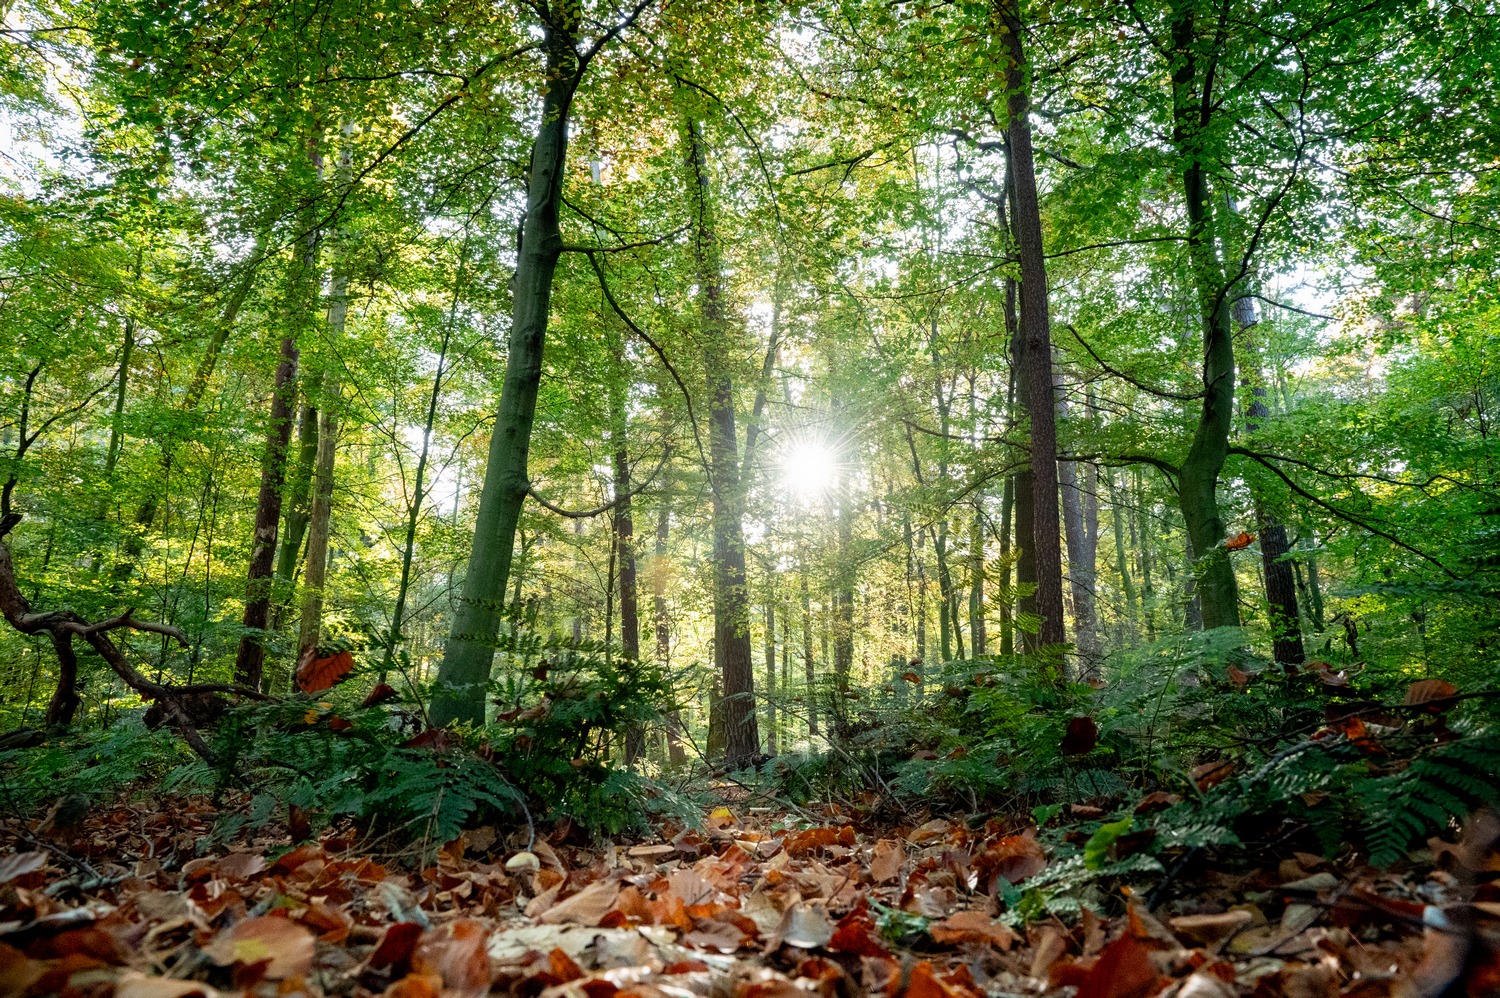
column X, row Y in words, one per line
column 751, row 904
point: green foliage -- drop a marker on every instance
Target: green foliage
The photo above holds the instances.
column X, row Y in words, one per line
column 97, row 764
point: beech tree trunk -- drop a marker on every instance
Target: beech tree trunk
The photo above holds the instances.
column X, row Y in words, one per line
column 624, row 544
column 733, row 719
column 809, row 665
column 250, row 659
column 1214, row 583
column 470, row 650
column 1035, row 338
column 676, row 753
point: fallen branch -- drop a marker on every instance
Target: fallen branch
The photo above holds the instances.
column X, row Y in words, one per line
column 63, row 625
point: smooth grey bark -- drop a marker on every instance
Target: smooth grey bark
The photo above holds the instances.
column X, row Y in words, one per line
column 771, row 671
column 320, row 517
column 1034, row 336
column 127, row 349
column 469, row 652
column 1082, row 553
column 624, row 546
column 676, row 753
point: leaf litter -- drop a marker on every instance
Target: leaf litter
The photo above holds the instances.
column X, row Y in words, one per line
column 752, row 906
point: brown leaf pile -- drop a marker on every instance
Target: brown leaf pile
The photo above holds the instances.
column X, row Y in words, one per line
column 741, row 908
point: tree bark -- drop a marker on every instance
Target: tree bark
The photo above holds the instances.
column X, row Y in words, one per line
column 624, row 542
column 676, row 753
column 1214, row 582
column 1082, row 566
column 734, row 716
column 809, row 667
column 414, row 509
column 65, row 700
column 771, row 747
column 469, row 652
column 250, row 659
column 1035, row 337
column 314, row 574
column 1118, row 516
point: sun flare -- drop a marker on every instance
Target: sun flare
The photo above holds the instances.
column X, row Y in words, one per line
column 808, row 469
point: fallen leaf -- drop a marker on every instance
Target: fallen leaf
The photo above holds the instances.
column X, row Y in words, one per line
column 803, row 925
column 587, row 907
column 886, row 860
column 1208, row 930
column 19, row 864
column 1239, row 541
column 972, row 927
column 1123, row 970
column 285, row 946
column 459, row 956
column 133, row 984
column 380, row 694
column 1211, row 774
column 1431, row 693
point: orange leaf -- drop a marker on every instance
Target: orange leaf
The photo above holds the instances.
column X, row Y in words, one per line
column 315, row 674
column 972, row 927
column 1239, row 677
column 1211, row 774
column 912, row 677
column 1239, row 541
column 1123, row 970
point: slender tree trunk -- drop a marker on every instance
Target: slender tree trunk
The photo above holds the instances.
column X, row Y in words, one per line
column 771, row 672
column 624, row 549
column 250, row 658
column 127, row 349
column 1035, row 337
column 1081, row 567
column 1118, row 516
column 419, row 481
column 1315, row 590
column 843, row 583
column 469, row 653
column 1280, row 581
column 676, row 753
column 298, row 499
column 1198, row 482
column 735, row 714
column 810, row 675
column 314, row 574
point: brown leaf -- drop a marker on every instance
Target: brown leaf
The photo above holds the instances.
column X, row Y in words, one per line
column 912, row 677
column 886, row 860
column 1239, row 541
column 396, row 947
column 1013, row 857
column 1157, row 800
column 587, row 907
column 133, row 984
column 1081, row 737
column 1430, row 692
column 1211, row 774
column 1123, row 970
column 380, row 694
column 459, row 956
column 285, row 946
column 240, row 865
column 803, row 925
column 972, row 927
column 315, row 674
column 1207, row 930
column 1239, row 677
column 19, row 864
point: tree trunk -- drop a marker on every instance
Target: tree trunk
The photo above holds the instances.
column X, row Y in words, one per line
column 1214, row 581
column 65, row 700
column 414, row 508
column 469, row 652
column 676, row 753
column 1082, row 569
column 250, row 658
column 771, row 672
column 843, row 584
column 1035, row 337
column 298, row 499
column 127, row 349
column 735, row 716
column 1117, row 516
column 810, row 675
column 314, row 574
column 624, row 549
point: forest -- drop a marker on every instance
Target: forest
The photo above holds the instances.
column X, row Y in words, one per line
column 675, row 498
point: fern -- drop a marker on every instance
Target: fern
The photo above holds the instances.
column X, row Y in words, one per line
column 1435, row 792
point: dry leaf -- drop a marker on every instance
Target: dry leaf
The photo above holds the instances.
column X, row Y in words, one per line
column 886, row 860
column 286, row 946
column 972, row 927
column 587, row 907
